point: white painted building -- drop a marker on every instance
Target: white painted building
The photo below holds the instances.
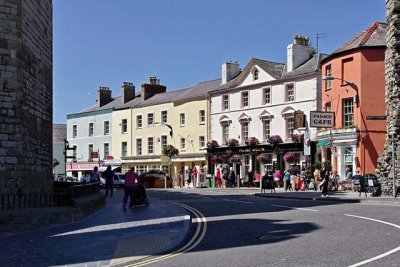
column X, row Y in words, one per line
column 260, row 101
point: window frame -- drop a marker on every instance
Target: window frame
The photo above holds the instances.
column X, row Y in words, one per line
column 182, row 144
column 265, row 123
column 137, row 121
column 287, row 96
column 182, row 119
column 328, row 73
column 244, row 132
column 105, row 155
column 265, row 98
column 345, row 122
column 164, row 114
column 289, row 121
column 91, row 129
column 247, row 99
column 90, row 150
column 106, row 125
column 148, row 119
column 202, row 141
column 139, row 147
column 225, row 132
column 225, row 102
column 161, row 142
column 256, row 73
column 124, row 126
column 202, row 117
column 124, row 152
column 74, row 131
column 150, row 148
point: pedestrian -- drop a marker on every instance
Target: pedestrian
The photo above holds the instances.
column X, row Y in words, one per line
column 324, row 181
column 232, row 178
column 180, row 178
column 317, row 176
column 109, row 175
column 129, row 188
column 308, row 178
column 95, row 176
column 294, row 172
column 250, row 177
column 194, row 177
column 86, row 178
column 257, row 178
column 188, row 176
column 225, row 175
column 218, row 176
column 286, row 180
column 278, row 178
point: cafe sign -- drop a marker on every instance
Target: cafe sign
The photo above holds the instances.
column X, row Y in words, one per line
column 319, row 119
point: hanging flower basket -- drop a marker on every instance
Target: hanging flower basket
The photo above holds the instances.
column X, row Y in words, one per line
column 274, row 140
column 212, row 144
column 263, row 158
column 170, row 151
column 216, row 159
column 297, row 138
column 232, row 142
column 252, row 141
column 289, row 157
column 235, row 159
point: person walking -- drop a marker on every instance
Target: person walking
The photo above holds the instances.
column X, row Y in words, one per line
column 129, row 187
column 194, row 177
column 257, row 178
column 232, row 178
column 250, row 176
column 109, row 175
column 278, row 178
column 324, row 181
column 286, row 180
column 294, row 172
column 95, row 176
column 218, row 176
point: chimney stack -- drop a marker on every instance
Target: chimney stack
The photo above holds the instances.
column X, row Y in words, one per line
column 128, row 92
column 229, row 71
column 299, row 52
column 152, row 88
column 103, row 96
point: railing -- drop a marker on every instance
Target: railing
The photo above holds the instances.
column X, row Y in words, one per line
column 21, row 201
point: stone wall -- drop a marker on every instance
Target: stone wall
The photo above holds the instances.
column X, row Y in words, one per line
column 392, row 77
column 26, row 95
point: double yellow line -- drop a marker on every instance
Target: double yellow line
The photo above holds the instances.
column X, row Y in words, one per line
column 194, row 241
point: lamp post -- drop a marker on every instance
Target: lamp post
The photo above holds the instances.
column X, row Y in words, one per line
column 346, row 83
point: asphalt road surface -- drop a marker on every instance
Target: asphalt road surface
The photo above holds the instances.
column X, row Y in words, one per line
column 239, row 229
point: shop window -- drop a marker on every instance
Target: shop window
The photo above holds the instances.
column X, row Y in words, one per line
column 348, row 112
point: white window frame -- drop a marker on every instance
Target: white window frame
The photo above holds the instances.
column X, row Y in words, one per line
column 183, row 144
column 266, row 128
column 244, row 130
column 225, row 132
column 74, row 131
column 202, row 116
column 225, row 102
column 164, row 116
column 90, row 150
column 346, row 114
column 202, row 142
column 291, row 97
column 328, row 73
column 91, row 129
column 150, row 145
column 267, row 97
column 289, row 120
column 106, row 152
column 139, row 121
column 124, row 126
column 106, row 127
column 182, row 119
column 150, row 119
column 256, row 73
column 245, row 100
column 162, row 142
column 139, row 146
column 124, row 149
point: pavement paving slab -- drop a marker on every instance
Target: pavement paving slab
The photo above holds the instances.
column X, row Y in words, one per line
column 107, row 237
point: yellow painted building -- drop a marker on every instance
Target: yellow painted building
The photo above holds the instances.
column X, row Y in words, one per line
column 179, row 118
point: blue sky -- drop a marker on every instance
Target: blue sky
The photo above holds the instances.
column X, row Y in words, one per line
column 106, row 42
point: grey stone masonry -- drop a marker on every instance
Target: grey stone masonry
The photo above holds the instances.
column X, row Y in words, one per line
column 26, row 93
column 392, row 88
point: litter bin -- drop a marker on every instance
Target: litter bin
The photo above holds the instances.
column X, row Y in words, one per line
column 209, row 180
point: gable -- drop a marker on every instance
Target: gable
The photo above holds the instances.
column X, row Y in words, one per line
column 263, row 76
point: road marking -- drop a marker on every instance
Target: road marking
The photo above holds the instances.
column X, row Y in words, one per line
column 381, row 255
column 238, row 201
column 280, row 206
column 196, row 239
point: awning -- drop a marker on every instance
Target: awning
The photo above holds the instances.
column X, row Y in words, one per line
column 323, row 143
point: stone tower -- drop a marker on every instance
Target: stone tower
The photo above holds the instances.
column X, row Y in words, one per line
column 26, row 115
column 392, row 77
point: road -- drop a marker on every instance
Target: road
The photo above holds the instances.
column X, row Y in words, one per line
column 240, row 229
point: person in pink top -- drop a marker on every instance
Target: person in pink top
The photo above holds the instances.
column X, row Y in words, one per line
column 129, row 186
column 218, row 176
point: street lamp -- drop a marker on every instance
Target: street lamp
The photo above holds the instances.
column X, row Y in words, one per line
column 352, row 85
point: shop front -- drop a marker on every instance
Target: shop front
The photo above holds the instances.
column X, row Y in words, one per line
column 78, row 169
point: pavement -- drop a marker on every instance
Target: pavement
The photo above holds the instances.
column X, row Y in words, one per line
column 339, row 196
column 110, row 236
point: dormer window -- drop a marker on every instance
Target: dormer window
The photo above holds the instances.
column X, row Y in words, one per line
column 255, row 74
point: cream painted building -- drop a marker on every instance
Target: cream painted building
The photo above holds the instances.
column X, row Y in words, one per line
column 179, row 118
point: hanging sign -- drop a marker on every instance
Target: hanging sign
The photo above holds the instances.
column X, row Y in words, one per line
column 320, row 119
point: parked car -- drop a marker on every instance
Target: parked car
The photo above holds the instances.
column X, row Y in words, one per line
column 119, row 180
column 155, row 179
column 67, row 179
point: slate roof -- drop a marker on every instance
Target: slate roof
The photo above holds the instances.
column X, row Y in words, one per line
column 312, row 65
column 200, row 89
column 59, row 133
column 373, row 36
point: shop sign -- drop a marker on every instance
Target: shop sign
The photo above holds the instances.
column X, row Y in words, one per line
column 319, row 119
column 376, row 118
